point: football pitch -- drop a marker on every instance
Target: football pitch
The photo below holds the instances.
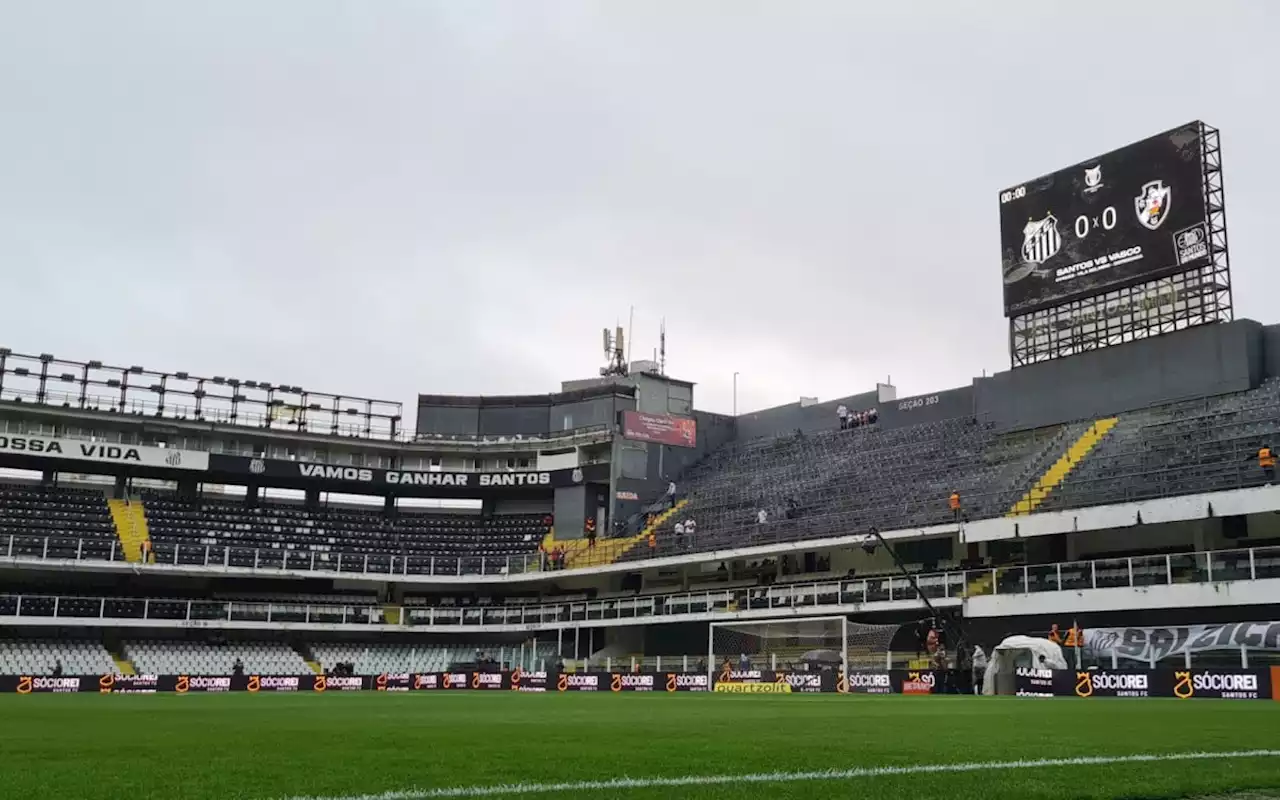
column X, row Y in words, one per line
column 637, row 747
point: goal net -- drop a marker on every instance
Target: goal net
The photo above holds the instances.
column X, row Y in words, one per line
column 813, row 644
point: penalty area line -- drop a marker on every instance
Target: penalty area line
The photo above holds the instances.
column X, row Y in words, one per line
column 852, row 773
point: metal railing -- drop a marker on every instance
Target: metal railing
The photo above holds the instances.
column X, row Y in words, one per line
column 281, row 450
column 55, row 548
column 1133, row 572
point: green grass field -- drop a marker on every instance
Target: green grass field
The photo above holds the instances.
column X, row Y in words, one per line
column 262, row 747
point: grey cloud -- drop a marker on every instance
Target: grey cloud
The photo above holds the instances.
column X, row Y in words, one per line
column 393, row 197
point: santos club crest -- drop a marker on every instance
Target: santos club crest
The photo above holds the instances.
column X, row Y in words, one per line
column 1152, row 204
column 1041, row 240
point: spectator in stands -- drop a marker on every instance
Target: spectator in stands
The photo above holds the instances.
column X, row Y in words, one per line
column 653, row 542
column 1267, row 461
column 590, row 526
column 744, row 663
column 954, row 503
column 679, row 534
column 762, row 516
column 690, row 527
column 57, row 668
column 1055, row 635
column 979, row 666
column 842, row 411
column 237, row 668
column 671, row 493
column 701, row 665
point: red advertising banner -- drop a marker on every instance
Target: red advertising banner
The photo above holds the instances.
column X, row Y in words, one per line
column 660, row 428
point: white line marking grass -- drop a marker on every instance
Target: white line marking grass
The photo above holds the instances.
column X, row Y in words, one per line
column 514, row 789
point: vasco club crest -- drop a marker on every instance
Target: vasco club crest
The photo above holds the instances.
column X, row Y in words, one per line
column 1152, row 204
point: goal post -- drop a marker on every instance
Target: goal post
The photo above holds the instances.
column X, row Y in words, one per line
column 804, row 644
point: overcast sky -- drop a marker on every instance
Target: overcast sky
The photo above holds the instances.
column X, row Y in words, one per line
column 381, row 198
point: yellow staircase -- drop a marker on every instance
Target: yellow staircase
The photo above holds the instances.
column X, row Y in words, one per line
column 981, row 585
column 608, row 551
column 123, row 665
column 578, row 552
column 315, row 667
column 1060, row 468
column 131, row 527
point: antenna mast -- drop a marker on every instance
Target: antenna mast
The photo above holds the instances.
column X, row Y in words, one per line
column 615, row 353
column 662, row 347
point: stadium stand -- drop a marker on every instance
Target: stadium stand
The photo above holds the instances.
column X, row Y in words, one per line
column 38, row 657
column 162, row 657
column 820, row 484
column 1199, row 445
column 843, row 482
column 72, row 520
column 291, row 536
column 376, row 658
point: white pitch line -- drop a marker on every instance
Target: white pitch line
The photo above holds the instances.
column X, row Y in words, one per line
column 507, row 789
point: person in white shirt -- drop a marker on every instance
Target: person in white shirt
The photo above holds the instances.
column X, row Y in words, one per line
column 979, row 669
column 842, row 411
column 679, row 529
column 762, row 516
column 690, row 526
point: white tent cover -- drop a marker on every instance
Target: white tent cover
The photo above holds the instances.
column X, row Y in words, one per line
column 1021, row 651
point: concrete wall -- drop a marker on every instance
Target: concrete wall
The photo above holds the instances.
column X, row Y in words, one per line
column 787, row 419
column 527, row 415
column 1271, row 351
column 645, row 467
column 573, row 504
column 1201, row 362
column 714, row 431
column 935, row 407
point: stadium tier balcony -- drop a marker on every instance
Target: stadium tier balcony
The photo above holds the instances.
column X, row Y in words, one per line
column 814, row 595
column 39, row 657
column 51, row 522
column 159, row 657
column 346, row 539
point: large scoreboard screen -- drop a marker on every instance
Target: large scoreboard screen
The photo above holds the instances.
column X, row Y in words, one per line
column 1129, row 216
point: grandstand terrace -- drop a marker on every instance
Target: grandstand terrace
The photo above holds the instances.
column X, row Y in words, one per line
column 486, row 543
